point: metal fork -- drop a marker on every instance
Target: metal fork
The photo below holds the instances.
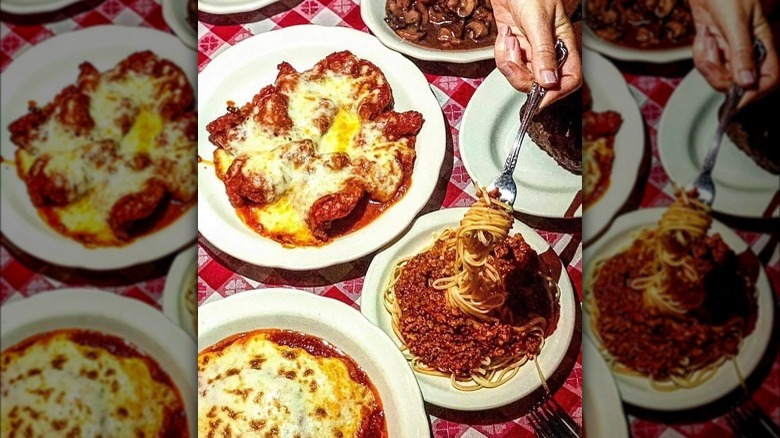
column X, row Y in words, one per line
column 504, row 182
column 747, row 420
column 703, row 183
column 550, row 420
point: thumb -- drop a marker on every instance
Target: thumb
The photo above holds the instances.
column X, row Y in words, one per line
column 541, row 37
column 739, row 36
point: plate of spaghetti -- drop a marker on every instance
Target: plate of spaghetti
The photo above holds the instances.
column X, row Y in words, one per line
column 478, row 302
column 677, row 304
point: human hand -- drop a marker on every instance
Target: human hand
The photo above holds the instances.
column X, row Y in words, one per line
column 525, row 46
column 723, row 47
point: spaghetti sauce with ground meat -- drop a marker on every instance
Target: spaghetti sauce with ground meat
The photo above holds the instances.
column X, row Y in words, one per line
column 647, row 341
column 447, row 339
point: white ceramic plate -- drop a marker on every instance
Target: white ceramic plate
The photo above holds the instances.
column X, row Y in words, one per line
column 175, row 15
column 487, row 133
column 637, row 390
column 438, row 390
column 240, row 72
column 34, row 6
column 373, row 14
column 39, row 74
column 105, row 312
column 602, row 408
column 336, row 323
column 183, row 272
column 610, row 92
column 231, row 6
column 623, row 53
column 685, row 134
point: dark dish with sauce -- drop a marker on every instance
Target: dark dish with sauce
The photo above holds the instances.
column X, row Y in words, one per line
column 443, row 24
column 643, row 24
column 273, row 382
column 318, row 154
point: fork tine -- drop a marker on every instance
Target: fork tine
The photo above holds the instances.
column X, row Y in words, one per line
column 556, row 410
column 746, row 419
column 541, row 429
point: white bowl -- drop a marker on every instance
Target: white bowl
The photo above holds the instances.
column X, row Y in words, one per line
column 239, row 72
column 336, row 323
column 112, row 314
column 183, row 269
column 373, row 14
column 231, row 6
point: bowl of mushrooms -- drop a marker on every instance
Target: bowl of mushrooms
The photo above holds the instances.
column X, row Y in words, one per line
column 458, row 31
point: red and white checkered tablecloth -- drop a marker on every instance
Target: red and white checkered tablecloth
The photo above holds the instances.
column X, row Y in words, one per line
column 224, row 275
column 652, row 93
column 22, row 274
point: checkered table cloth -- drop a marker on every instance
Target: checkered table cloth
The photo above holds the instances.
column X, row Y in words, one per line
column 223, row 275
column 22, row 274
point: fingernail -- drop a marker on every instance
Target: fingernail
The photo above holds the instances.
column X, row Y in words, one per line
column 747, row 77
column 511, row 44
column 504, row 30
column 549, row 77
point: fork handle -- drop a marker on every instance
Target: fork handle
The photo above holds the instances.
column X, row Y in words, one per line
column 534, row 99
column 532, row 105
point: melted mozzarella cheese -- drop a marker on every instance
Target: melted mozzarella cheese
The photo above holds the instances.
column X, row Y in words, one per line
column 127, row 114
column 335, row 98
column 260, row 388
column 57, row 387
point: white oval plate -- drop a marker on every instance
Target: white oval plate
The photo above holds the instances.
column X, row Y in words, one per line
column 335, row 322
column 241, row 71
column 373, row 14
column 623, row 53
column 685, row 134
column 602, row 409
column 34, row 6
column 438, row 390
column 183, row 269
column 175, row 15
column 637, row 390
column 39, row 74
column 232, row 6
column 108, row 313
column 487, row 133
column 610, row 92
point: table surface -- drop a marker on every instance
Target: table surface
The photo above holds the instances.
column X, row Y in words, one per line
column 221, row 275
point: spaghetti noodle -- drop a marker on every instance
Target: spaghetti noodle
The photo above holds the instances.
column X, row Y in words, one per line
column 476, row 305
column 676, row 304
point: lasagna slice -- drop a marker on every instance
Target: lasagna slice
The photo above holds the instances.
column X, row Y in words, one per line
column 84, row 383
column 283, row 383
column 310, row 148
